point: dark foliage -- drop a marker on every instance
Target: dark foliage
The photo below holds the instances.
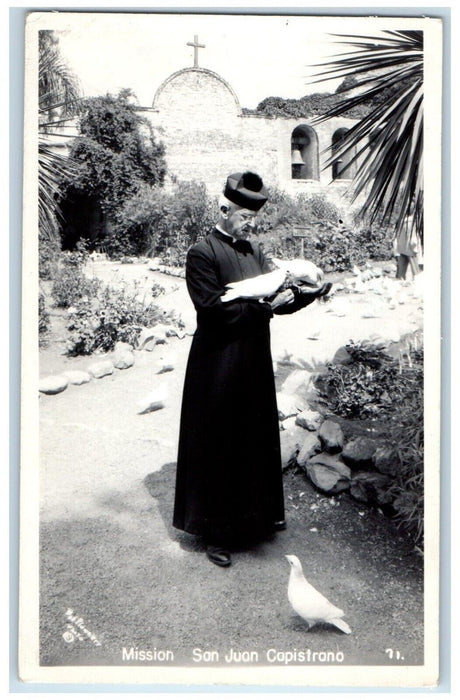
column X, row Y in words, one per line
column 43, row 316
column 48, row 256
column 329, row 244
column 116, row 153
column 112, row 315
column 163, row 224
column 388, row 391
column 308, row 106
column 69, row 281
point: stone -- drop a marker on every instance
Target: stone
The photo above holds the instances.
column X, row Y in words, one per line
column 312, row 396
column 123, row 359
column 288, row 405
column 120, row 346
column 154, row 264
column 153, row 401
column 385, row 460
column 331, row 436
column 101, row 368
column 156, row 335
column 282, row 357
column 77, row 377
column 298, row 382
column 146, row 335
column 342, row 357
column 371, row 487
column 310, row 420
column 327, row 479
column 310, row 446
column 53, row 384
column 173, row 332
column 332, row 461
column 161, row 333
column 290, row 424
column 291, row 440
column 359, row 452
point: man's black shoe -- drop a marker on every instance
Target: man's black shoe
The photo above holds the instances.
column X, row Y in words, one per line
column 218, row 555
column 280, row 525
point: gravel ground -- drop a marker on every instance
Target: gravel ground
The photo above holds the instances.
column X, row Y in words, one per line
column 110, row 554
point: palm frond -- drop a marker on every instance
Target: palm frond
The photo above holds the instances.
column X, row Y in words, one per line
column 386, row 145
column 52, row 167
column 59, row 100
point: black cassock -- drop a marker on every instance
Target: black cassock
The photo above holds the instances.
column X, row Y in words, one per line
column 229, row 478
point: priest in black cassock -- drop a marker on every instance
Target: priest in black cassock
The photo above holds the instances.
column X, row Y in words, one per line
column 229, row 479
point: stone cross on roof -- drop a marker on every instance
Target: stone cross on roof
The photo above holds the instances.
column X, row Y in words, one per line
column 196, row 46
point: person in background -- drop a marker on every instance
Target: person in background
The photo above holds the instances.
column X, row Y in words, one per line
column 407, row 249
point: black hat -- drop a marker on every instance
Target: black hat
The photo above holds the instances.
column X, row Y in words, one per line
column 247, row 190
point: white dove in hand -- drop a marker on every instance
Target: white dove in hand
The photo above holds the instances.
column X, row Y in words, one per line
column 255, row 287
column 310, row 603
column 301, row 270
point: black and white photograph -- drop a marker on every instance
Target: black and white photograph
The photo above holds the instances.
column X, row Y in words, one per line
column 230, row 357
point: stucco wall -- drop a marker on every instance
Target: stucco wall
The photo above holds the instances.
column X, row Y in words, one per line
column 197, row 116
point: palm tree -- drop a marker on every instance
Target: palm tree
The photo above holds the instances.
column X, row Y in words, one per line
column 387, row 144
column 58, row 102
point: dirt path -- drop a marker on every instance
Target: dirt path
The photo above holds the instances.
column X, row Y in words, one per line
column 110, row 554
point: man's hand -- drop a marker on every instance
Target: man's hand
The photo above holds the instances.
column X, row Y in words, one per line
column 309, row 294
column 282, row 299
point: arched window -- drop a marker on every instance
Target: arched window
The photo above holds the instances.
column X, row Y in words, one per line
column 304, row 153
column 341, row 169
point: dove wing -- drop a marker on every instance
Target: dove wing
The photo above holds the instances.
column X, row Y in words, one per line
column 310, row 603
column 254, row 287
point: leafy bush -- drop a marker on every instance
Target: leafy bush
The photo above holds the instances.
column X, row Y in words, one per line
column 329, row 243
column 378, row 386
column 165, row 224
column 70, row 284
column 308, row 106
column 48, row 256
column 408, row 489
column 372, row 384
column 43, row 315
column 112, row 315
column 116, row 152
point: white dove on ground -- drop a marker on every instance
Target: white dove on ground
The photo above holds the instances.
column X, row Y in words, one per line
column 153, row 401
column 301, row 270
column 255, row 287
column 309, row 603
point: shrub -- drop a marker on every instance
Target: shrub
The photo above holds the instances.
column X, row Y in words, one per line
column 43, row 316
column 48, row 256
column 70, row 284
column 373, row 383
column 116, row 152
column 329, row 243
column 165, row 224
column 408, row 489
column 376, row 385
column 113, row 315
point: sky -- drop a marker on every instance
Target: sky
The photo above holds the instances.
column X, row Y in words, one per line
column 258, row 56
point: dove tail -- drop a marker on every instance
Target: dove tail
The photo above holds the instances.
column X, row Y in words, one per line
column 341, row 624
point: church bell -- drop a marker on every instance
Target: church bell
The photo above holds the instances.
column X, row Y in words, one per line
column 296, row 157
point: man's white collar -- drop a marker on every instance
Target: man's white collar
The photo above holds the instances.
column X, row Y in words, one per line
column 228, row 235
